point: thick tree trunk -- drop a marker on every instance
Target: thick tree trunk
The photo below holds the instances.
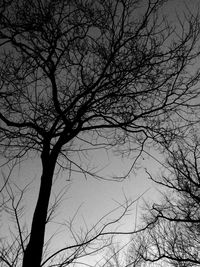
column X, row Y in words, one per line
column 34, row 249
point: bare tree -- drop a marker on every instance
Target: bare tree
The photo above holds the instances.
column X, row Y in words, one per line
column 84, row 244
column 80, row 75
column 118, row 255
column 173, row 232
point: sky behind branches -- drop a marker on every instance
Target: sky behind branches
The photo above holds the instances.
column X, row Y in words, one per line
column 92, row 198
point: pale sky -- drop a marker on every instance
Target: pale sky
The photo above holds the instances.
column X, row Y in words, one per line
column 90, row 197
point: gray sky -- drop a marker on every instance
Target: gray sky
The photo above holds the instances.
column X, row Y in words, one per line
column 93, row 198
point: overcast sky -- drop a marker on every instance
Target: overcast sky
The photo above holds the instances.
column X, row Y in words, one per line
column 95, row 197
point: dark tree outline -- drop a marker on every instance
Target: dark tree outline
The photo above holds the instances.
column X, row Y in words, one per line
column 40, row 135
column 172, row 234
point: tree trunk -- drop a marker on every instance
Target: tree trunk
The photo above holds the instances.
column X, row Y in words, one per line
column 34, row 249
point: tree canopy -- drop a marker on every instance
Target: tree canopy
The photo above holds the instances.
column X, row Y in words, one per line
column 80, row 75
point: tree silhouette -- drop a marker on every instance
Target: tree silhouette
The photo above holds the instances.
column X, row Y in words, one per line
column 77, row 75
column 173, row 232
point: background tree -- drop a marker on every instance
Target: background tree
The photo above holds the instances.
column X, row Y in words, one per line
column 173, row 234
column 118, row 255
column 77, row 75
